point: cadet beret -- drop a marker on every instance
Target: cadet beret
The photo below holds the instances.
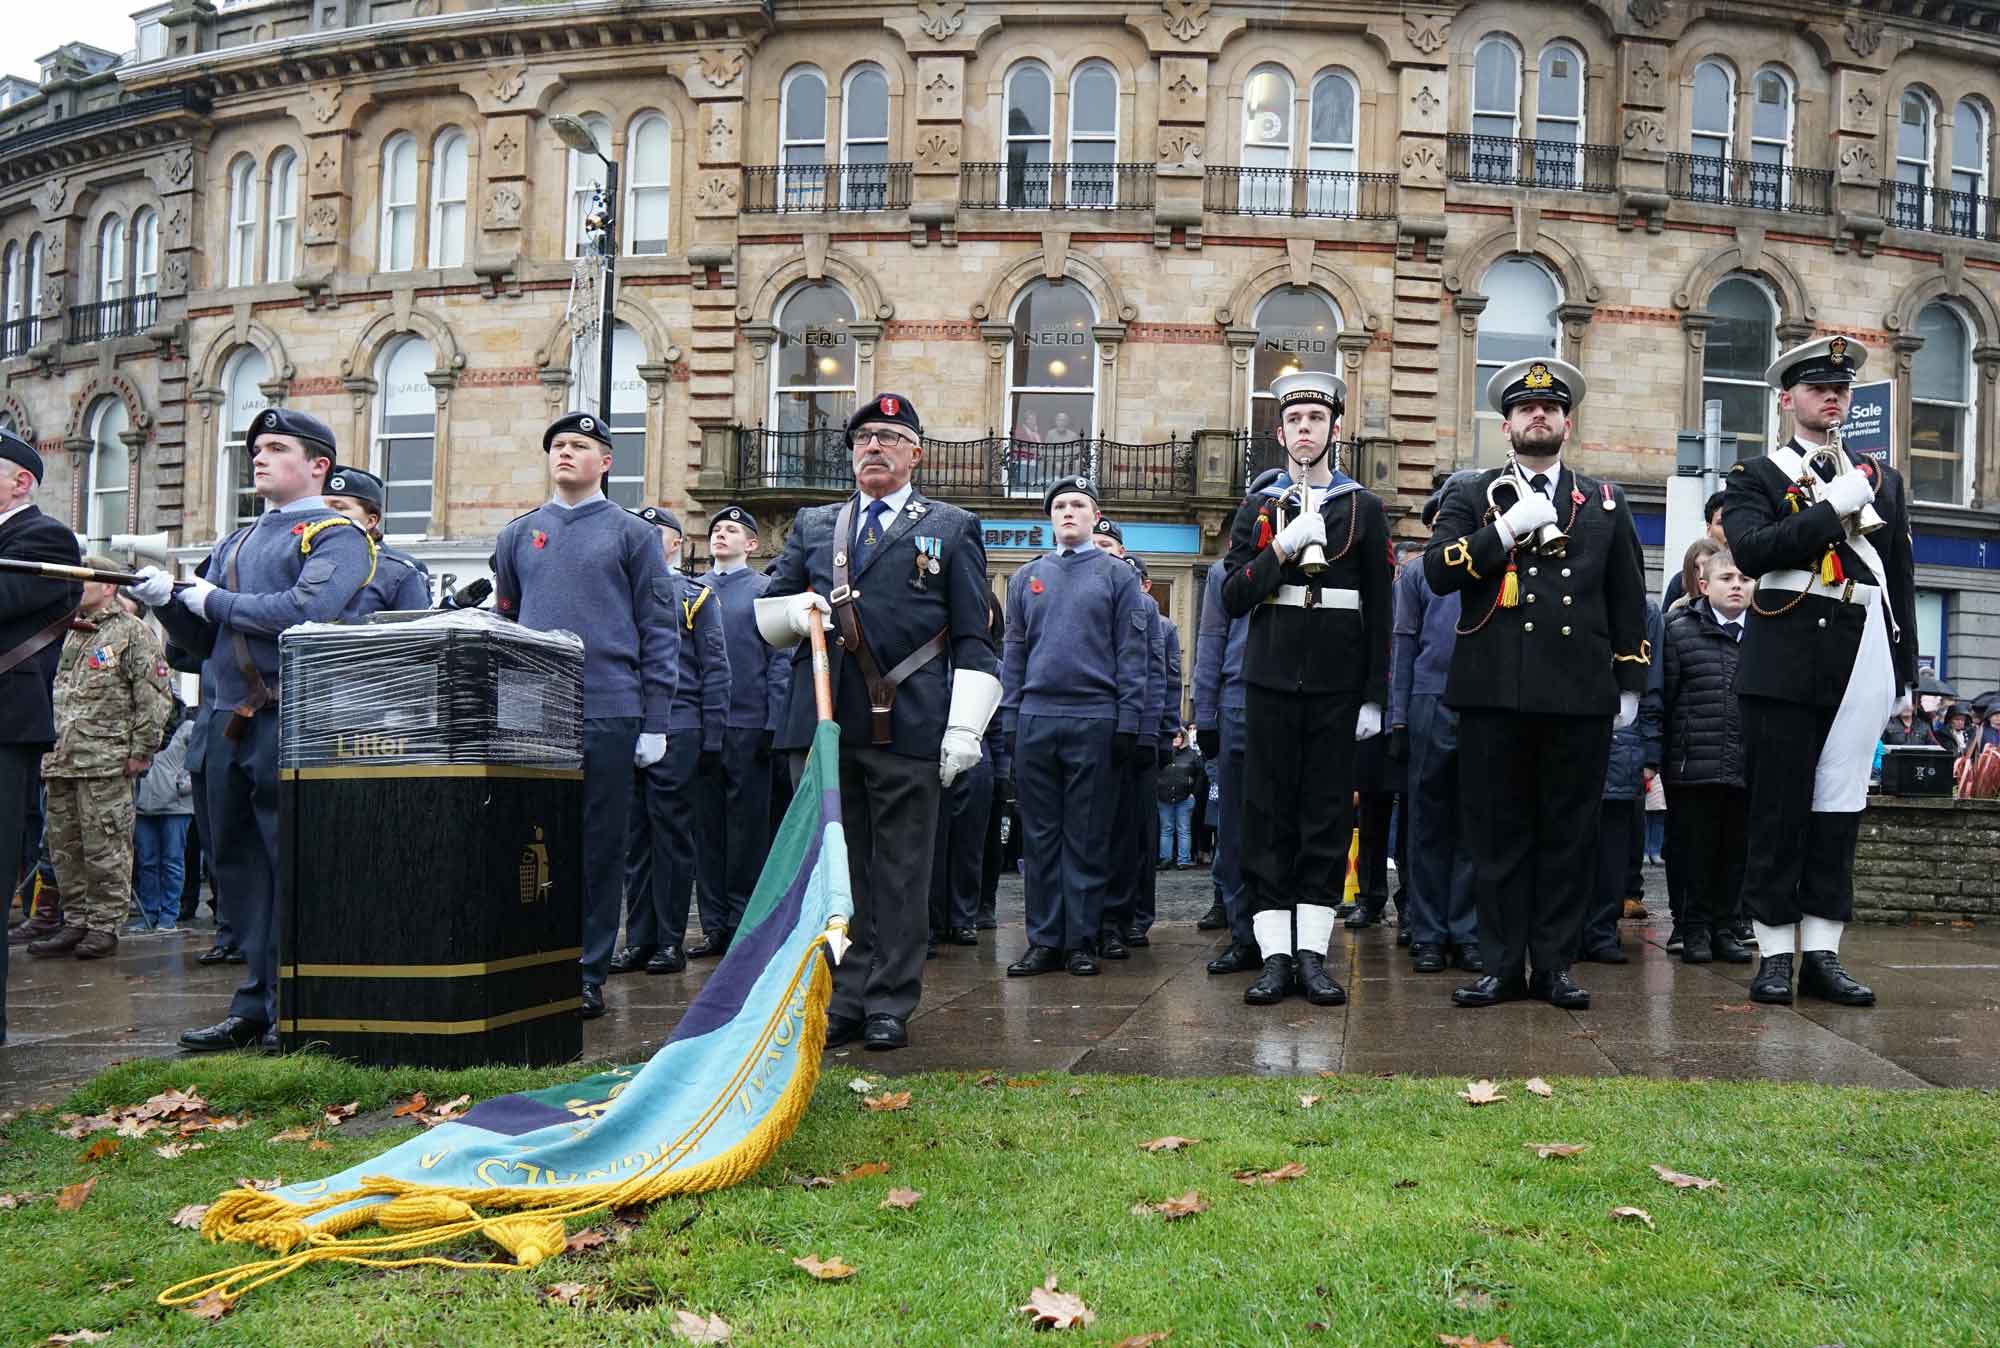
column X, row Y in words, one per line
column 358, row 483
column 734, row 514
column 893, row 408
column 1138, row 564
column 582, row 423
column 16, row 450
column 1536, row 379
column 1108, row 528
column 660, row 516
column 1310, row 386
column 1074, row 482
column 284, row 421
column 1824, row 360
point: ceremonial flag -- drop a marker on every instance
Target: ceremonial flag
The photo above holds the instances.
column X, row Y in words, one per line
column 711, row 1106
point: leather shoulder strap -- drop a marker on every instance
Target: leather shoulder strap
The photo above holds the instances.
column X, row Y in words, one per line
column 847, row 622
column 28, row 649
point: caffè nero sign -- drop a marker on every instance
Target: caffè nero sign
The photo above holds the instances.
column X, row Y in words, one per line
column 1295, row 341
column 822, row 337
column 1056, row 337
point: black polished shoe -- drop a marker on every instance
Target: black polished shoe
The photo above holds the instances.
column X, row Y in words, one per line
column 987, row 922
column 1363, row 916
column 236, row 956
column 1215, row 919
column 1427, row 959
column 1039, row 959
column 962, row 936
column 228, row 1033
column 840, row 1030
column 1696, row 947
column 1109, row 947
column 1558, row 989
column 1402, row 934
column 1610, row 954
column 884, row 1032
column 1469, row 959
column 1082, row 964
column 1674, row 942
column 593, row 1001
column 1138, row 940
column 1319, row 988
column 269, row 1043
column 632, row 958
column 1490, row 990
column 1272, row 985
column 1727, row 948
column 669, row 959
column 1744, row 932
column 1237, row 959
column 1821, row 976
column 215, row 954
column 1773, row 983
column 711, row 947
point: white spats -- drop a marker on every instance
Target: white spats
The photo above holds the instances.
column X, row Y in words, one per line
column 1315, row 927
column 1274, row 932
column 1819, row 933
column 1775, row 940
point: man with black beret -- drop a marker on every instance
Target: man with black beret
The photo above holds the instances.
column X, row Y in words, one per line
column 581, row 564
column 914, row 685
column 34, row 618
column 401, row 583
column 1075, row 680
column 1135, row 823
column 298, row 562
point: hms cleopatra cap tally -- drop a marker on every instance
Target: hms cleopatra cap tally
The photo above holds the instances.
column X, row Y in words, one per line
column 1824, row 360
column 1075, row 482
column 1536, row 379
column 587, row 424
column 1310, row 386
column 358, row 483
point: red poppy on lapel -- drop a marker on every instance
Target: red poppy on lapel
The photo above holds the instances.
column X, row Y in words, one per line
column 1035, row 585
column 540, row 539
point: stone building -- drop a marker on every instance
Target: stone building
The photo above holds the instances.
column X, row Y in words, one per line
column 1076, row 235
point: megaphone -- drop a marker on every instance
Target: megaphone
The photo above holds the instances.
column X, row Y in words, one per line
column 146, row 547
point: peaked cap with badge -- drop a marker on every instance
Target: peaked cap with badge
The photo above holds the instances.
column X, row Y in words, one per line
column 1824, row 360
column 1536, row 379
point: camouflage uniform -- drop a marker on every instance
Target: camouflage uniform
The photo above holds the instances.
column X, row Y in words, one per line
column 112, row 697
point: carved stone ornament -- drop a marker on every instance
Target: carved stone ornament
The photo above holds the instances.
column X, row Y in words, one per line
column 174, row 276
column 507, row 82
column 720, row 68
column 1645, row 133
column 1859, row 104
column 1425, row 102
column 326, row 170
column 1185, row 18
column 52, row 294
column 53, row 253
column 1857, row 163
column 506, row 152
column 1181, row 148
column 53, row 193
column 322, row 222
column 1863, row 35
column 178, row 164
column 940, row 19
column 503, row 209
column 939, row 92
column 1427, row 32
column 1184, row 90
column 937, row 152
column 716, row 195
column 1423, row 164
column 720, row 138
column 1645, row 80
column 325, row 102
column 177, row 224
column 1647, row 13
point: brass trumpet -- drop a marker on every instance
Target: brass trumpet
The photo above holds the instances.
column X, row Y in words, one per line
column 1863, row 521
column 1549, row 540
column 1312, row 557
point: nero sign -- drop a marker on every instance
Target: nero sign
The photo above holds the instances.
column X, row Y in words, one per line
column 1869, row 428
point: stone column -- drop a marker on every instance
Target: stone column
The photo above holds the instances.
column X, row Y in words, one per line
column 1644, row 136
column 1860, row 157
column 940, row 38
column 502, row 192
column 176, row 175
column 715, row 79
column 326, row 215
column 1185, row 39
column 1986, row 478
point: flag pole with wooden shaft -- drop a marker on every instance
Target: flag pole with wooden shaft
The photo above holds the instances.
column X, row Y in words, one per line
column 60, row 571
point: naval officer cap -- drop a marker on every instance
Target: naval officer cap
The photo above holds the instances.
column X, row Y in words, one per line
column 1310, row 386
column 1824, row 360
column 660, row 517
column 890, row 408
column 1076, row 482
column 284, row 421
column 1108, row 528
column 587, row 424
column 357, row 483
column 734, row 514
column 1542, row 379
column 16, row 450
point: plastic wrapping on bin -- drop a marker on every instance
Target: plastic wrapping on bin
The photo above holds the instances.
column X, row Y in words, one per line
column 463, row 687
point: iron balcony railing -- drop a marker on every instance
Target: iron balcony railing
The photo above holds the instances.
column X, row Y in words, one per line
column 1744, row 182
column 125, row 317
column 1022, row 186
column 1335, row 194
column 781, row 188
column 1257, row 451
column 995, row 466
column 20, row 335
column 1509, row 161
column 1941, row 211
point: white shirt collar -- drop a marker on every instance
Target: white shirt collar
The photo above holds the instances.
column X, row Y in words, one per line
column 1554, row 472
column 303, row 503
column 561, row 504
column 6, row 515
column 895, row 500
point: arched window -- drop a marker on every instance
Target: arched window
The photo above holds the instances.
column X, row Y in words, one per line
column 1967, row 204
column 1265, row 184
column 1712, row 131
column 813, row 384
column 1052, row 385
column 1496, row 110
column 628, row 414
column 1942, row 411
column 802, row 143
column 1770, row 139
column 864, row 151
column 1519, row 321
column 237, row 501
column 16, row 308
column 36, row 253
column 405, row 434
column 448, row 200
column 649, row 166
column 1297, row 328
column 1331, row 145
column 146, row 254
column 281, row 254
column 242, row 221
column 1559, row 117
column 1916, row 151
column 1029, row 136
column 1740, row 347
column 1093, row 136
column 398, row 238
column 110, row 262
column 586, row 180
column 105, row 513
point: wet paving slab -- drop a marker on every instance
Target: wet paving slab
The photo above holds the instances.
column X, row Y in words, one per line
column 1937, row 1021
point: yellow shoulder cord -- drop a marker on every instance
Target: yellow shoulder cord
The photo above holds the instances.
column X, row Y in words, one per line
column 691, row 609
column 313, row 530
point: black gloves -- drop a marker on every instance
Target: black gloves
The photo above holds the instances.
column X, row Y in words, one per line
column 1209, row 743
column 765, row 739
column 1124, row 744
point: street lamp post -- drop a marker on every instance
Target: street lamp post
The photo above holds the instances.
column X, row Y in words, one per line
column 573, row 133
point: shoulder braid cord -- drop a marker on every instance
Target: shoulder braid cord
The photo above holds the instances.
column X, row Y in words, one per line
column 317, row 527
column 532, row 1229
column 1575, row 509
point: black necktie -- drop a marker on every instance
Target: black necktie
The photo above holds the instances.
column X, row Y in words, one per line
column 1540, row 482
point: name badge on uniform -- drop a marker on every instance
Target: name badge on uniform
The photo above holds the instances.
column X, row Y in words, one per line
column 929, row 560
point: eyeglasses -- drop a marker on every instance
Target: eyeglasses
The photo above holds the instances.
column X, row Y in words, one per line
column 888, row 438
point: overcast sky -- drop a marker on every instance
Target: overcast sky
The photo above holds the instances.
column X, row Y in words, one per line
column 35, row 27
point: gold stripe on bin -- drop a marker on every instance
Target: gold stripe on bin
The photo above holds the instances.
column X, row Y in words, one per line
column 319, row 1025
column 386, row 770
column 472, row 970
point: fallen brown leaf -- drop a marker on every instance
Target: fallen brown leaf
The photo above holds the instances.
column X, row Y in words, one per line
column 987, row 1082
column 904, row 1199
column 1024, row 1083
column 1537, row 1086
column 587, row 1239
column 173, row 1151
column 262, row 1186
column 816, row 1182
column 74, row 1196
column 864, row 1171
column 414, row 1105
column 1168, row 1143
column 1308, row 1101
column 299, row 1134
column 1473, row 1341
column 1057, row 1310
column 700, row 1328
column 571, row 1293
column 1680, row 1181
column 1144, row 1340
column 8, row 1202
column 98, row 1150
column 1481, row 1092
column 826, row 1270
column 318, row 1145
column 1961, row 924
column 1187, row 1205
column 335, row 1114
column 211, row 1307
column 1634, row 1214
column 80, row 1335
column 1558, row 1149
column 887, row 1102
column 189, row 1217
column 444, row 1113
column 1290, row 1171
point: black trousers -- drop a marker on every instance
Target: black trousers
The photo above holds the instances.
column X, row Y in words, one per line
column 1616, row 823
column 242, row 780
column 1371, row 860
column 607, row 805
column 1706, row 839
column 1530, row 793
column 960, row 852
column 1069, row 826
column 1298, row 806
column 659, row 845
column 1135, row 837
column 1798, row 862
column 17, row 784
column 990, row 856
column 732, row 829
column 1438, row 904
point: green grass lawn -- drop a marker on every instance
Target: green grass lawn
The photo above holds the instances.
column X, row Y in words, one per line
column 1848, row 1217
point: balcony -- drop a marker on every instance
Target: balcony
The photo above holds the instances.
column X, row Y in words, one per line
column 19, row 336
column 958, row 470
column 125, row 317
column 1326, row 194
column 1055, row 187
column 1743, row 182
column 793, row 188
column 1934, row 210
column 1259, row 450
column 1551, row 165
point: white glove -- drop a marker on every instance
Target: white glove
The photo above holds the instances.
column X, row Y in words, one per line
column 974, row 699
column 1528, row 514
column 1628, row 709
column 782, row 620
column 959, row 752
column 648, row 750
column 1368, row 723
column 155, row 589
column 1906, row 701
column 195, row 597
column 1849, row 492
column 1309, row 526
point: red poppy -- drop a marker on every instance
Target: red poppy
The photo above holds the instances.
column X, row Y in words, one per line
column 298, row 528
column 506, row 605
column 1575, row 496
column 541, row 540
column 1035, row 585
